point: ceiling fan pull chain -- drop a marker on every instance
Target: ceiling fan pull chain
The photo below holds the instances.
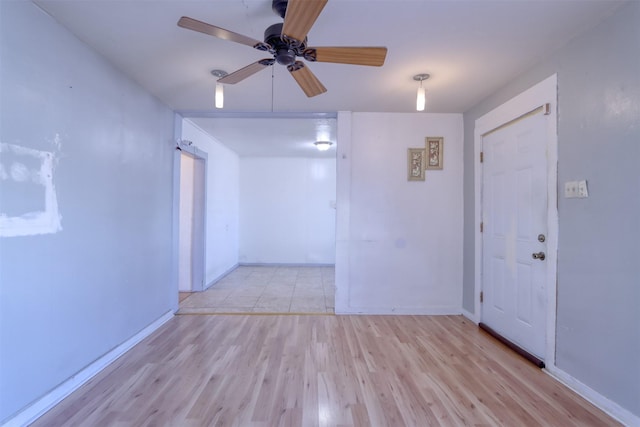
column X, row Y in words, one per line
column 272, row 78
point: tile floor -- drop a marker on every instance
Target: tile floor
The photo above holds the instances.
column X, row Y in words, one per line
column 266, row 289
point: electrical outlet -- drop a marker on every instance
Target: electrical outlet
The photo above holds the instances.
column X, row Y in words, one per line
column 570, row 189
column 583, row 192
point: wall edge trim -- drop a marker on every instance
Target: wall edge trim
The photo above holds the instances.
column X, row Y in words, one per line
column 422, row 311
column 42, row 405
column 603, row 403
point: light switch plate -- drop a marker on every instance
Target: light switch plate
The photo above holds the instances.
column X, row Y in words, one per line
column 582, row 189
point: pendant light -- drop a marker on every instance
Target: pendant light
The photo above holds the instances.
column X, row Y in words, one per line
column 219, row 94
column 323, row 145
column 421, row 97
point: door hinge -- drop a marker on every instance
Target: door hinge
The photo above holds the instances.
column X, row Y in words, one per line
column 482, row 227
column 481, row 156
column 481, row 296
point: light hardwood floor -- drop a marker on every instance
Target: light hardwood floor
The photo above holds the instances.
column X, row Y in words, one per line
column 267, row 289
column 322, row 370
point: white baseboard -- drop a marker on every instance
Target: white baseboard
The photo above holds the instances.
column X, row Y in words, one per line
column 51, row 399
column 279, row 264
column 611, row 408
column 422, row 311
column 469, row 315
column 221, row 276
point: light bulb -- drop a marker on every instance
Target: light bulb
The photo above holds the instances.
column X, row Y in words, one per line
column 323, row 145
column 420, row 99
column 219, row 95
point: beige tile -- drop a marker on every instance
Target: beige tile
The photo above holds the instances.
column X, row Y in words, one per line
column 278, row 292
column 309, row 274
column 242, row 301
column 250, row 291
column 265, row 301
column 308, row 304
column 206, row 299
column 308, row 293
column 264, row 289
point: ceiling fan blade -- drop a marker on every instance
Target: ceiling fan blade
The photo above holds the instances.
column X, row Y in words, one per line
column 373, row 56
column 243, row 73
column 307, row 81
column 212, row 30
column 300, row 17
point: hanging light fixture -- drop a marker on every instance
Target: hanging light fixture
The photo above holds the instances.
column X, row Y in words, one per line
column 219, row 97
column 323, row 145
column 421, row 97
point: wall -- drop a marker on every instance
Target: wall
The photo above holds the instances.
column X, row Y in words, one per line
column 71, row 293
column 222, row 193
column 598, row 321
column 286, row 210
column 399, row 242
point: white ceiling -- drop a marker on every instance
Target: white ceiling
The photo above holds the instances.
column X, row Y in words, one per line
column 272, row 137
column 470, row 48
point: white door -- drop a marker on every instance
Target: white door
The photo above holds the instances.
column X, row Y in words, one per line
column 514, row 215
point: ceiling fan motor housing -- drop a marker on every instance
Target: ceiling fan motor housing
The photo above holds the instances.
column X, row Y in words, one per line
column 284, row 49
column 280, row 7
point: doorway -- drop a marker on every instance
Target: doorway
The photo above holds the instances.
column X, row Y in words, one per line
column 191, row 172
column 516, row 210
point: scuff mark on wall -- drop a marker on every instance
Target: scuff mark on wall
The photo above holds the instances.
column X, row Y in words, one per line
column 28, row 201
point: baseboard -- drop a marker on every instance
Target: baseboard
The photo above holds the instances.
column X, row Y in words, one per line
column 469, row 316
column 614, row 410
column 422, row 311
column 276, row 264
column 220, row 277
column 51, row 399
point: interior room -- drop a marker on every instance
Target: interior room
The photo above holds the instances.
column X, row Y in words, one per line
column 476, row 211
column 270, row 210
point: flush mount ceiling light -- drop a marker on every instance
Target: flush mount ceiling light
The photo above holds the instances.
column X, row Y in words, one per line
column 219, row 98
column 421, row 98
column 323, row 145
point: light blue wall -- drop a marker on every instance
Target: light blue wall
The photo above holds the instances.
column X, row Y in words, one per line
column 69, row 297
column 598, row 314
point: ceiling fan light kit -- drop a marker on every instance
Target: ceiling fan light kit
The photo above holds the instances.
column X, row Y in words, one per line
column 323, row 145
column 219, row 94
column 287, row 41
column 421, row 99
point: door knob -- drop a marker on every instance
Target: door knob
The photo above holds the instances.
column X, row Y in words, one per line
column 539, row 255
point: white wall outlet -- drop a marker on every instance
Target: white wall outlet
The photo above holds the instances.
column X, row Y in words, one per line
column 582, row 189
column 570, row 189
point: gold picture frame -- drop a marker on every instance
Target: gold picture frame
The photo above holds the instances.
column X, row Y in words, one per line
column 434, row 147
column 415, row 164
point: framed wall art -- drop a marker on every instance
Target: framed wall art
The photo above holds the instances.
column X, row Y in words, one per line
column 434, row 146
column 415, row 164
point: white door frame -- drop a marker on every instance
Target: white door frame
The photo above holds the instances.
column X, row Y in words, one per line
column 201, row 156
column 542, row 93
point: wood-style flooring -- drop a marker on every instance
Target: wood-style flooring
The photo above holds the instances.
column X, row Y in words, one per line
column 322, row 370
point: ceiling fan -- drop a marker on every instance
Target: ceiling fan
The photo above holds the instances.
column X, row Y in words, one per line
column 287, row 41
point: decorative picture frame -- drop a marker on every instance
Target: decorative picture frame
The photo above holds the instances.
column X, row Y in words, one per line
column 416, row 158
column 434, row 147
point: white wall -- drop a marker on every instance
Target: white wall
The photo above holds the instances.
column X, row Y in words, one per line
column 399, row 242
column 286, row 212
column 222, row 194
column 69, row 297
